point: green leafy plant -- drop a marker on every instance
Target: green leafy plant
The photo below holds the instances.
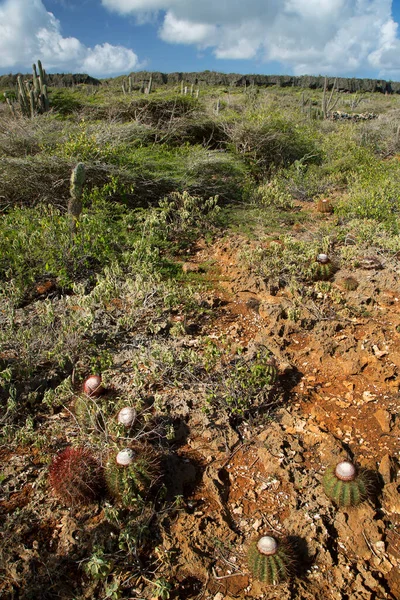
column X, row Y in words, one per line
column 244, row 385
column 98, row 566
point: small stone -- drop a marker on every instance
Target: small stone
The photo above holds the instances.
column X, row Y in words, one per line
column 238, row 510
column 368, row 397
column 257, row 524
column 387, row 469
column 384, row 419
column 219, row 596
column 190, row 267
column 380, row 547
column 379, row 353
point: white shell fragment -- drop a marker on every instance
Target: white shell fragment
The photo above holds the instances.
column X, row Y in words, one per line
column 322, row 258
column 125, row 457
column 127, row 416
column 345, row 471
column 267, row 545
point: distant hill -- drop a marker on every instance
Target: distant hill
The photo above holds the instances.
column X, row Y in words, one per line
column 53, row 79
column 213, row 78
column 236, row 80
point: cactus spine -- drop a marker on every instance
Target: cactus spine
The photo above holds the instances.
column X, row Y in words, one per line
column 32, row 95
column 76, row 188
column 76, row 477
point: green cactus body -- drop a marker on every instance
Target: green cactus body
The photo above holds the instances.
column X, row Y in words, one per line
column 342, row 492
column 77, row 180
column 271, row 568
column 36, row 84
column 349, row 283
column 323, row 268
column 130, row 482
column 76, row 189
column 33, row 96
column 42, row 79
column 23, row 98
column 271, row 371
column 89, row 414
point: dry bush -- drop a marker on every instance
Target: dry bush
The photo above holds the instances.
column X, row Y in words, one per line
column 196, row 129
column 46, row 179
column 21, row 136
column 114, row 133
column 156, row 112
column 272, row 142
column 382, row 134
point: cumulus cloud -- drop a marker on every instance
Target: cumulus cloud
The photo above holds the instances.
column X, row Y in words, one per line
column 29, row 32
column 305, row 36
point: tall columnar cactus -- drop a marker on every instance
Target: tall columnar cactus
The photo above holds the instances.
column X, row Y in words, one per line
column 32, row 95
column 149, row 86
column 10, row 104
column 76, row 188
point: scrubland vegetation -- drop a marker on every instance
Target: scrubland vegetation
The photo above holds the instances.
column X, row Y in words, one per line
column 164, row 172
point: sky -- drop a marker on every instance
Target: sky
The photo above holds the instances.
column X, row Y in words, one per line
column 106, row 38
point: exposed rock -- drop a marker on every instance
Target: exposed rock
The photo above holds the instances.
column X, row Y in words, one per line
column 384, row 419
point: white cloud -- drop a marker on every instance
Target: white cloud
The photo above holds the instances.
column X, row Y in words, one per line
column 305, row 36
column 29, row 32
column 180, row 31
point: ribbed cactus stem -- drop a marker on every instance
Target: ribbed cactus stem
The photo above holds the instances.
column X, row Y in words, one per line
column 150, row 84
column 36, row 84
column 32, row 95
column 42, row 77
column 32, row 101
column 22, row 97
column 130, row 84
column 45, row 99
column 10, row 104
column 76, row 188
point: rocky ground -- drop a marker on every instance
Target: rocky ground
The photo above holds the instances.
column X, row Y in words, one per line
column 337, row 398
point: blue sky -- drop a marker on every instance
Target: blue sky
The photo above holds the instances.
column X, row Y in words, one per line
column 351, row 38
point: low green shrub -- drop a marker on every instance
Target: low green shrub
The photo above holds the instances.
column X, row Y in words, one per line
column 36, row 243
column 374, row 193
column 267, row 141
column 285, row 260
